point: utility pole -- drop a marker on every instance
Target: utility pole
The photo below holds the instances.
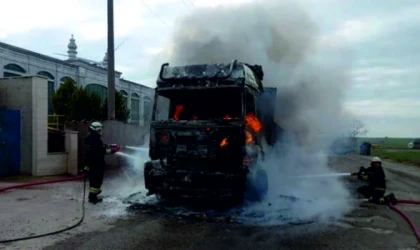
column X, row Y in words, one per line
column 111, row 62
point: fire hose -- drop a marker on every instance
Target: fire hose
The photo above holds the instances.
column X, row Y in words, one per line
column 50, row 182
column 405, row 216
column 391, row 205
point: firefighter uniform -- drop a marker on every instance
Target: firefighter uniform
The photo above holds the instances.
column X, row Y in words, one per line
column 95, row 151
column 375, row 176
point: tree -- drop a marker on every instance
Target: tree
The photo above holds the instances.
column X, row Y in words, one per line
column 85, row 105
column 357, row 128
column 62, row 98
column 122, row 113
column 75, row 103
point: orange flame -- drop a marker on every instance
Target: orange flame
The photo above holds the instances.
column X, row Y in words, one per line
column 223, row 143
column 248, row 161
column 178, row 110
column 248, row 137
column 253, row 122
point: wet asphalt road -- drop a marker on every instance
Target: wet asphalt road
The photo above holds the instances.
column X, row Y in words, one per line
column 368, row 226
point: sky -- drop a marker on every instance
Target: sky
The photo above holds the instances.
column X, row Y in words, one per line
column 380, row 35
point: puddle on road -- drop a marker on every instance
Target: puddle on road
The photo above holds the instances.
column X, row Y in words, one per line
column 242, row 214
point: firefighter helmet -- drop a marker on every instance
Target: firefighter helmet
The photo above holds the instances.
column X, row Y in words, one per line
column 376, row 159
column 96, row 126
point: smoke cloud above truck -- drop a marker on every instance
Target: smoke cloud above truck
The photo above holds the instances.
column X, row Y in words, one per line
column 311, row 81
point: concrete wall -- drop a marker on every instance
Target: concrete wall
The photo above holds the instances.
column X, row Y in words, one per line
column 16, row 93
column 117, row 132
column 72, row 152
column 30, row 95
column 124, row 135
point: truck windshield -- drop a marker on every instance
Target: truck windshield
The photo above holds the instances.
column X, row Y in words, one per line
column 207, row 104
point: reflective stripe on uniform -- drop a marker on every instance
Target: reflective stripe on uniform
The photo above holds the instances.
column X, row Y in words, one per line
column 379, row 189
column 94, row 190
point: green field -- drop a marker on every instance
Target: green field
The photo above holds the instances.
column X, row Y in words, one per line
column 394, row 149
column 402, row 156
column 387, row 143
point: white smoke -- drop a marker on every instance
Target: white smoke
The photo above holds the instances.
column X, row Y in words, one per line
column 311, row 81
column 130, row 184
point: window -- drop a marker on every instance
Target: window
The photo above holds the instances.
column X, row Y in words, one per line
column 63, row 79
column 148, row 108
column 102, row 91
column 12, row 70
column 209, row 104
column 135, row 108
column 250, row 103
column 51, row 86
column 125, row 97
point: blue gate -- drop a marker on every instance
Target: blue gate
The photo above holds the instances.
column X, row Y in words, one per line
column 10, row 142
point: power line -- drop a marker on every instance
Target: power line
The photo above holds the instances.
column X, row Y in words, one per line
column 121, row 43
column 186, row 5
column 192, row 3
column 156, row 14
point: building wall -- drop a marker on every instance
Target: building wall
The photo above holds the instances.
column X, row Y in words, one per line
column 32, row 65
column 29, row 94
column 44, row 163
column 16, row 93
column 83, row 73
column 114, row 132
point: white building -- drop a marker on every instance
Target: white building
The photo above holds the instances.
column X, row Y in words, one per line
column 15, row 61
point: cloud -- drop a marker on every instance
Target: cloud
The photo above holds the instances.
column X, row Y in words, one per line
column 153, row 50
column 383, row 73
column 44, row 14
column 352, row 31
column 374, row 26
column 399, row 108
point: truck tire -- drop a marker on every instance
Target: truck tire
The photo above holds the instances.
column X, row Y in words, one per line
column 257, row 187
column 161, row 197
column 261, row 181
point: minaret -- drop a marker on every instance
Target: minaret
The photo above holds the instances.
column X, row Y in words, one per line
column 72, row 52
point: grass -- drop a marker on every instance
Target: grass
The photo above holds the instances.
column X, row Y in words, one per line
column 387, row 143
column 394, row 149
column 401, row 156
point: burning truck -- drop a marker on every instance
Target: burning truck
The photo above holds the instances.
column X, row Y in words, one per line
column 210, row 124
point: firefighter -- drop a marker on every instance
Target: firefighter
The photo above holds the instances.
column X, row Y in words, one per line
column 95, row 151
column 375, row 175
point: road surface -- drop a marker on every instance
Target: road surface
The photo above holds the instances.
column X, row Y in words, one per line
column 111, row 226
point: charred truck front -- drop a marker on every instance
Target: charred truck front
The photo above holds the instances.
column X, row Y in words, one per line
column 207, row 131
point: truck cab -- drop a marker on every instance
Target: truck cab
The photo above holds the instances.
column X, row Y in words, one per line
column 207, row 130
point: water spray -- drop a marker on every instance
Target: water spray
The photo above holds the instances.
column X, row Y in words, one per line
column 324, row 175
column 137, row 148
column 126, row 155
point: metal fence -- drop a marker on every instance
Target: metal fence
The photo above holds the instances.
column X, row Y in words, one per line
column 56, row 135
column 56, row 122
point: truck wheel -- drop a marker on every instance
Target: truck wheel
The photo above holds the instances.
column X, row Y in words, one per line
column 161, row 197
column 261, row 182
column 257, row 187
